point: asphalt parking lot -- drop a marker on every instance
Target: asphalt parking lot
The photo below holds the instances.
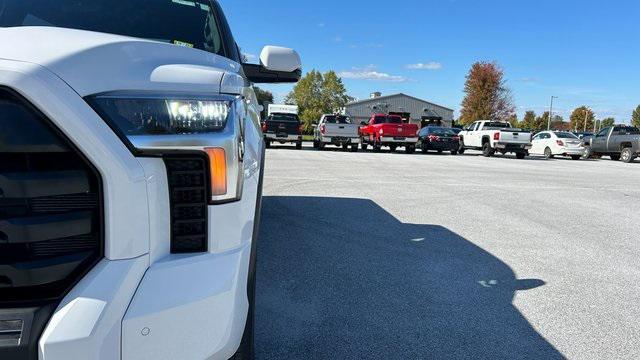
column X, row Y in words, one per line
column 394, row 256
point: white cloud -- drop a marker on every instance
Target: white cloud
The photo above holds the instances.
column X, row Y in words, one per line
column 321, row 25
column 425, row 66
column 337, row 39
column 370, row 73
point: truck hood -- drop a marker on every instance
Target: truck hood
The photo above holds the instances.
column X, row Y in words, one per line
column 93, row 63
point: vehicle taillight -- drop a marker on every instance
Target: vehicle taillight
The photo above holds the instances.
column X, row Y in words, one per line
column 560, row 142
column 264, row 127
column 434, row 138
column 456, row 138
column 496, row 136
column 323, row 129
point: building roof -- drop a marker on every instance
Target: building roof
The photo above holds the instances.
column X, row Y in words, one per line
column 396, row 95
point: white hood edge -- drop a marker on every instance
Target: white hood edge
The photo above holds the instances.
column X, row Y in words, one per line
column 93, row 63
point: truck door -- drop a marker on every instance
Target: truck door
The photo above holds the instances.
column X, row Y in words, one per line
column 473, row 135
column 599, row 141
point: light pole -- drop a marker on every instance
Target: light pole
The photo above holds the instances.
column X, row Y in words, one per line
column 551, row 112
column 586, row 117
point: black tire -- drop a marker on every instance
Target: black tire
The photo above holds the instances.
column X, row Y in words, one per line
column 548, row 154
column 587, row 152
column 461, row 148
column 299, row 145
column 267, row 144
column 627, row 155
column 424, row 147
column 521, row 155
column 614, row 157
column 393, row 148
column 320, row 145
column 487, row 151
column 363, row 145
column 576, row 157
column 345, row 147
column 410, row 149
column 439, row 151
column 354, row 148
column 316, row 144
column 454, row 152
column 377, row 147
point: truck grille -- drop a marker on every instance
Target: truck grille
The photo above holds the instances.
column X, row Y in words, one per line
column 50, row 211
column 188, row 181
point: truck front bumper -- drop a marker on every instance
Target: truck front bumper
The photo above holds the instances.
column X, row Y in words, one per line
column 398, row 140
column 340, row 140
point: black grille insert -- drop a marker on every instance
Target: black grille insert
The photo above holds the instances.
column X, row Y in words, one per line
column 50, row 209
column 188, row 179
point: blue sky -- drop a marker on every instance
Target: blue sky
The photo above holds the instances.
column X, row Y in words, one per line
column 584, row 52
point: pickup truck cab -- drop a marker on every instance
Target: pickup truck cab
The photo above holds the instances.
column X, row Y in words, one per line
column 282, row 125
column 389, row 130
column 336, row 130
column 131, row 165
column 495, row 136
column 619, row 142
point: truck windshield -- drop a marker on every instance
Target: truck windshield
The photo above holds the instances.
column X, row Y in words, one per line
column 180, row 22
column 284, row 118
column 337, row 120
column 388, row 120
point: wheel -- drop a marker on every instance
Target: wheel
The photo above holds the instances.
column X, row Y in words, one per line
column 461, row 148
column 299, row 145
column 521, row 155
column 363, row 145
column 410, row 149
column 454, row 152
column 439, row 151
column 548, row 154
column 587, row 152
column 393, row 148
column 627, row 155
column 267, row 144
column 345, row 147
column 316, row 144
column 576, row 157
column 424, row 147
column 377, row 147
column 487, row 151
column 354, row 148
column 614, row 157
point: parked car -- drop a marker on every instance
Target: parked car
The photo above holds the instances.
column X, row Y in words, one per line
column 618, row 142
column 438, row 139
column 282, row 125
column 131, row 164
column 389, row 130
column 336, row 130
column 560, row 143
column 495, row 136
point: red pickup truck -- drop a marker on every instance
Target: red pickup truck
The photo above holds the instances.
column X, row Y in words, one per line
column 389, row 130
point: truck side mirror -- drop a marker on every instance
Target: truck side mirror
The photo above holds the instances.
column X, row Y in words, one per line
column 277, row 65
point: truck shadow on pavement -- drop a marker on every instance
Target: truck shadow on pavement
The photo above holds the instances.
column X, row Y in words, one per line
column 344, row 279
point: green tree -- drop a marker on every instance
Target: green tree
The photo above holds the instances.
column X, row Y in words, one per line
column 529, row 120
column 635, row 118
column 557, row 123
column 578, row 117
column 264, row 97
column 513, row 120
column 316, row 94
column 542, row 122
column 607, row 123
column 486, row 95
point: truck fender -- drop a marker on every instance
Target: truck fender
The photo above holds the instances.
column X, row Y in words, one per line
column 486, row 139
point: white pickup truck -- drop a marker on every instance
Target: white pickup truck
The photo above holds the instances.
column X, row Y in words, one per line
column 336, row 130
column 495, row 136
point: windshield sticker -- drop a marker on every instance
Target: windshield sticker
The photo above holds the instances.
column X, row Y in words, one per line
column 184, row 2
column 182, row 43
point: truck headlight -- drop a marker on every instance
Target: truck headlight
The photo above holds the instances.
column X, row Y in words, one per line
column 163, row 125
column 162, row 116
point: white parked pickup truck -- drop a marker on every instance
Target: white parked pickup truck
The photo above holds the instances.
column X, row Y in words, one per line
column 131, row 166
column 495, row 136
column 336, row 130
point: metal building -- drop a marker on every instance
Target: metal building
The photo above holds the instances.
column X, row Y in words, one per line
column 411, row 109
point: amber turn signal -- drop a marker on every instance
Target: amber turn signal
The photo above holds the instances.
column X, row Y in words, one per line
column 218, row 170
